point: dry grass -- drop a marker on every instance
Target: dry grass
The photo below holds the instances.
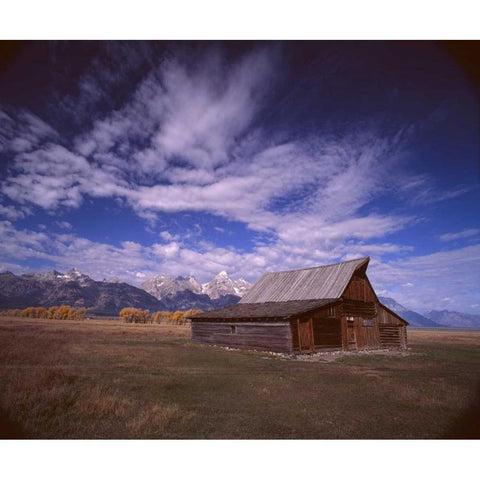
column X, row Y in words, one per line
column 104, row 379
column 154, row 420
column 101, row 402
column 446, row 336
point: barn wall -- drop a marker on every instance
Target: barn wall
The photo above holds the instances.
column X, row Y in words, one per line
column 273, row 336
column 326, row 329
column 327, row 333
column 384, row 316
column 367, row 337
column 393, row 332
column 294, row 335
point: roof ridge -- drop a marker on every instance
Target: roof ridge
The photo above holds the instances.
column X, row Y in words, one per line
column 318, row 266
column 289, row 301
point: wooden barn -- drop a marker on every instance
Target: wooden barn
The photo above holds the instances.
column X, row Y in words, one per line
column 331, row 307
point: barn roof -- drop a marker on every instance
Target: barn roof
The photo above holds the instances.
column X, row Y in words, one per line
column 265, row 310
column 324, row 282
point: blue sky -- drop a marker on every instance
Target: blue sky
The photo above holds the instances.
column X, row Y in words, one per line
column 131, row 159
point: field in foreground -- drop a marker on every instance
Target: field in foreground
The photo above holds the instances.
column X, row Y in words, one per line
column 101, row 379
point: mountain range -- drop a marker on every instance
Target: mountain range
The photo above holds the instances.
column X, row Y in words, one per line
column 447, row 318
column 161, row 292
column 108, row 297
column 72, row 288
column 162, row 286
column 434, row 318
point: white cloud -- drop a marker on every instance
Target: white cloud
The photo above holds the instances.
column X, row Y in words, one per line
column 64, row 225
column 23, row 131
column 13, row 213
column 186, row 140
column 448, row 237
column 48, row 177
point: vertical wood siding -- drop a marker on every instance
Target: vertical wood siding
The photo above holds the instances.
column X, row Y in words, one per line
column 326, row 329
column 367, row 337
column 359, row 288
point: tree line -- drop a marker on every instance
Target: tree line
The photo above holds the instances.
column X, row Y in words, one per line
column 62, row 312
column 129, row 315
column 137, row 315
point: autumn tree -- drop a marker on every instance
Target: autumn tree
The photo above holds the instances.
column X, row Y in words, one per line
column 159, row 317
column 135, row 315
column 80, row 313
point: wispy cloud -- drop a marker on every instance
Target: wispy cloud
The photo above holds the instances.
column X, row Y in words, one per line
column 14, row 213
column 64, row 225
column 187, row 139
column 23, row 131
column 452, row 274
column 448, row 237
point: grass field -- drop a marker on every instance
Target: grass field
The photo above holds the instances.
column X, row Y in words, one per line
column 104, row 379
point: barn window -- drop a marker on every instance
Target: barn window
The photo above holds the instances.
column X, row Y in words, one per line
column 331, row 312
column 368, row 322
column 233, row 329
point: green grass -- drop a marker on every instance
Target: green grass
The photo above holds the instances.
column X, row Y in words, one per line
column 62, row 379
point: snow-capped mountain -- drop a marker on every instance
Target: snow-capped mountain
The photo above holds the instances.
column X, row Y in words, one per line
column 73, row 275
column 222, row 284
column 162, row 286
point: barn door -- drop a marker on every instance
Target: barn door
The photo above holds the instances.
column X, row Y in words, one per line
column 351, row 335
column 305, row 335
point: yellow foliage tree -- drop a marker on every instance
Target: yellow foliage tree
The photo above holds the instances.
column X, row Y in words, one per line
column 160, row 317
column 80, row 313
column 135, row 315
column 41, row 312
column 191, row 313
column 62, row 312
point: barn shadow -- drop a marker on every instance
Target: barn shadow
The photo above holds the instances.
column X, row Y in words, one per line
column 467, row 425
column 9, row 430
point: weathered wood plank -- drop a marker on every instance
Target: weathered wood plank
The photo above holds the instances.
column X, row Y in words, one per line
column 271, row 337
